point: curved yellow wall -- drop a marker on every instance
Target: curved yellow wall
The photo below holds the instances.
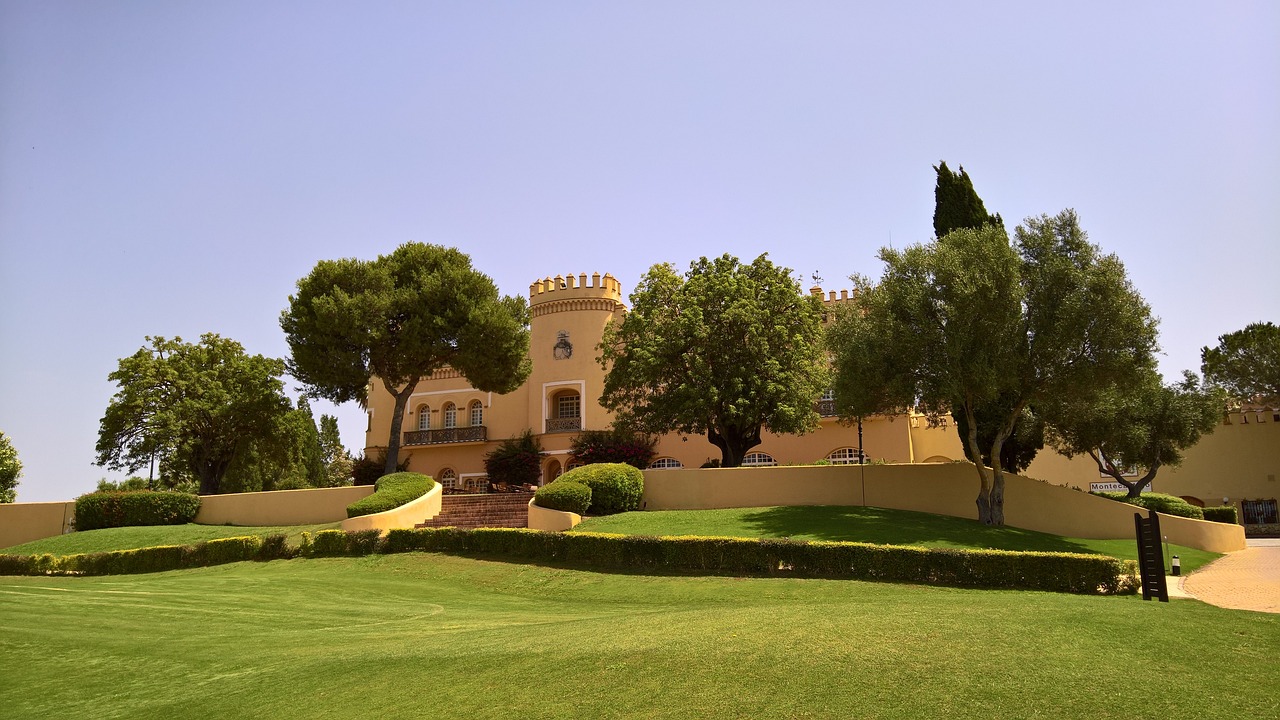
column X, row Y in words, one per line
column 405, row 516
column 941, row 489
column 541, row 518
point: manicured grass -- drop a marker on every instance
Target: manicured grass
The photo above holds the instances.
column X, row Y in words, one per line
column 420, row 635
column 870, row 525
column 128, row 538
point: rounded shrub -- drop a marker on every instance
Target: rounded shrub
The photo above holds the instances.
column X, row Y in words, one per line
column 139, row 507
column 1161, row 503
column 1223, row 514
column 564, row 495
column 392, row 491
column 615, row 487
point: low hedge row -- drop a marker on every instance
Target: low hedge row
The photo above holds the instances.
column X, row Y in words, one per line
column 1054, row 572
column 1222, row 514
column 139, row 507
column 1167, row 504
column 152, row 559
column 564, row 495
column 392, row 491
column 337, row 543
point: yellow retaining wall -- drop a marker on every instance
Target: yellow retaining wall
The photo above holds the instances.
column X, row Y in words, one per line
column 24, row 522
column 280, row 507
column 541, row 518
column 405, row 516
column 942, row 489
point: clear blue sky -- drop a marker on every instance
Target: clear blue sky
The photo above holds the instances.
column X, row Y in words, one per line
column 172, row 168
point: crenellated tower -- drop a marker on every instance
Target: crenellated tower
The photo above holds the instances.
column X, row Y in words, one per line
column 568, row 317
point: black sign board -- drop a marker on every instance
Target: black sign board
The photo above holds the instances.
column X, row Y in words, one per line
column 1151, row 557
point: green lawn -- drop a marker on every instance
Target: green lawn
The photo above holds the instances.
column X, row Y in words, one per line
column 870, row 525
column 421, row 635
column 128, row 538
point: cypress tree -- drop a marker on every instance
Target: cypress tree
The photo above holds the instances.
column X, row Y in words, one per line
column 957, row 206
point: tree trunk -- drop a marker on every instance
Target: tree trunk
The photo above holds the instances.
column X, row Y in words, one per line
column 1133, row 486
column 397, row 422
column 984, row 483
column 733, row 443
column 210, row 473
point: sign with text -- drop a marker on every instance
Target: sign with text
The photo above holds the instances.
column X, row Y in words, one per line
column 1114, row 487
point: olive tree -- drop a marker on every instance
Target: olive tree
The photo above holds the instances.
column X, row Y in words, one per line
column 398, row 319
column 1144, row 424
column 971, row 322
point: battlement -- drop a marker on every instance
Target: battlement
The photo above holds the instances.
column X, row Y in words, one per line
column 574, row 287
column 845, row 295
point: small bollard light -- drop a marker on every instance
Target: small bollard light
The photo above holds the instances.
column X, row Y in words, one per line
column 1177, row 566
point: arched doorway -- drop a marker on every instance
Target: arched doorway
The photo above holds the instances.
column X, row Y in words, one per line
column 551, row 471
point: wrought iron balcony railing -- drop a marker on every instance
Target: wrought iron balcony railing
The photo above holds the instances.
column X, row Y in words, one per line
column 559, row 425
column 474, row 433
column 827, row 408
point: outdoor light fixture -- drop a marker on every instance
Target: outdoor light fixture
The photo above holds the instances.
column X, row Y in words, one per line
column 1176, row 566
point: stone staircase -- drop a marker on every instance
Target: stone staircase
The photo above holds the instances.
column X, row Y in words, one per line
column 482, row 510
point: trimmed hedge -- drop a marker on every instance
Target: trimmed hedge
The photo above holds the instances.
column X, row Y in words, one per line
column 392, row 491
column 152, row 559
column 565, row 495
column 1055, row 572
column 1222, row 514
column 338, row 543
column 138, row 507
column 1167, row 504
column 615, row 487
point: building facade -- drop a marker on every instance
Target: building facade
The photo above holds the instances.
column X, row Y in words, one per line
column 449, row 426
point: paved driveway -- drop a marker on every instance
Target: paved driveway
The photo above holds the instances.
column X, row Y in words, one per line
column 1247, row 579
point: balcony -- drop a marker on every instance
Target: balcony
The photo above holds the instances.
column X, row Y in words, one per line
column 475, row 433
column 560, row 425
column 826, row 408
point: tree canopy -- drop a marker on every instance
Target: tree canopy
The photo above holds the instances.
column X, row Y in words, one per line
column 287, row 458
column 1246, row 363
column 957, row 206
column 10, row 470
column 1143, row 424
column 400, row 318
column 193, row 405
column 971, row 321
column 727, row 350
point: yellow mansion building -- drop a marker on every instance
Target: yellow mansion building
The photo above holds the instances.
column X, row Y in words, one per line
column 450, row 426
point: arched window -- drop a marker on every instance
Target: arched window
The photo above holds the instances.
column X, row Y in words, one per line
column 477, row 413
column 665, row 463
column 758, row 459
column 424, row 417
column 450, row 415
column 844, row 456
column 448, row 479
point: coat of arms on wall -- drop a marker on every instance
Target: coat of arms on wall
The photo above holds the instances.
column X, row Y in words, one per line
column 563, row 349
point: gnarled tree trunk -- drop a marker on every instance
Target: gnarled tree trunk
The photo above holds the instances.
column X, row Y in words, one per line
column 733, row 443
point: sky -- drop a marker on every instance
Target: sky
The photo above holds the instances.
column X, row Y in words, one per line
column 173, row 168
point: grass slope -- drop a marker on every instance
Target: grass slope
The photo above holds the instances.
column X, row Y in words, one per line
column 867, row 524
column 436, row 636
column 129, row 538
